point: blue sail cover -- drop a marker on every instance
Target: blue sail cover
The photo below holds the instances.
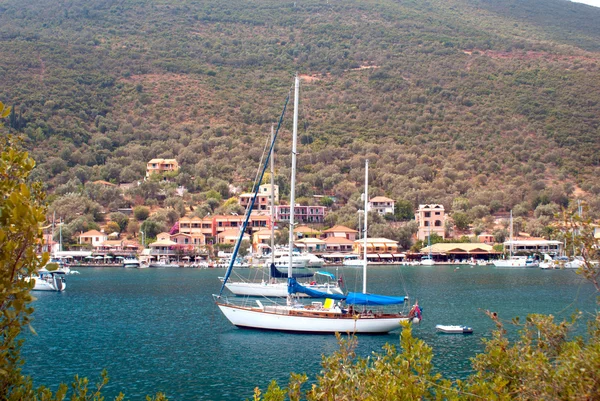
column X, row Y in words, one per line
column 358, row 298
column 293, row 287
column 295, row 273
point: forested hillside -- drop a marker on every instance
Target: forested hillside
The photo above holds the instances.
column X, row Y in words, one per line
column 469, row 103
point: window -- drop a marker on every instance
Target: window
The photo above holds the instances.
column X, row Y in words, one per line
column 438, row 223
column 427, row 214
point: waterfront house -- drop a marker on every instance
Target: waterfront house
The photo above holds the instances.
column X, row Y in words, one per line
column 338, row 244
column 379, row 246
column 534, row 245
column 157, row 166
column 311, row 245
column 163, row 248
column 191, row 240
column 261, row 241
column 304, row 231
column 381, row 205
column 302, row 214
column 431, row 219
column 457, row 252
column 92, row 237
column 192, row 225
column 340, row 232
column 231, row 236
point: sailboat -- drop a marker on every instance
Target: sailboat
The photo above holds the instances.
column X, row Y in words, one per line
column 513, row 260
column 272, row 287
column 353, row 313
column 427, row 260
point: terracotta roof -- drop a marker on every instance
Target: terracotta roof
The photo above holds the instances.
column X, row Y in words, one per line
column 91, row 233
column 305, row 229
column 381, row 199
column 340, row 229
column 456, row 247
column 338, row 240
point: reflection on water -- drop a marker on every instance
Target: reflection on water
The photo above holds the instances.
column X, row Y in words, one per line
column 159, row 330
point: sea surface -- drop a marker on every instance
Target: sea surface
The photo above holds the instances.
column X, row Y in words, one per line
column 159, row 329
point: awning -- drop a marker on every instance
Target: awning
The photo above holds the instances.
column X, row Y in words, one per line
column 99, row 257
column 399, row 255
column 386, row 255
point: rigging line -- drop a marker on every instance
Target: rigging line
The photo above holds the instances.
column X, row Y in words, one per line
column 256, row 188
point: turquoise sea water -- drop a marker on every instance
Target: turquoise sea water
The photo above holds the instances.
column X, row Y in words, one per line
column 159, row 330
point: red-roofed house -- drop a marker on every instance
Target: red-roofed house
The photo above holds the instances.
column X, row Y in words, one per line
column 341, row 232
column 93, row 237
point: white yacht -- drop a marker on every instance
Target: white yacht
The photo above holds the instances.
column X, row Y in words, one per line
column 352, row 260
column 132, row 263
column 48, row 280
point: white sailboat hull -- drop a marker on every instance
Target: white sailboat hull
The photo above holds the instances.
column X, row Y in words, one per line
column 285, row 318
column 273, row 289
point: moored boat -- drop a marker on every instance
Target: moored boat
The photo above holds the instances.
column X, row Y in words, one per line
column 453, row 329
column 45, row 280
column 355, row 315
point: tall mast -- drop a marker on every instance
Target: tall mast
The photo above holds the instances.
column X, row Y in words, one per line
column 293, row 189
column 365, row 232
column 272, row 199
column 511, row 234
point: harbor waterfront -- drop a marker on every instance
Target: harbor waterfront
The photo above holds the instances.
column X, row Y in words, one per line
column 159, row 329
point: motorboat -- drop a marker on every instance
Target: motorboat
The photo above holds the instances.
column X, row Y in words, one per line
column 132, row 263
column 45, row 280
column 548, row 262
column 282, row 259
column 313, row 260
column 427, row 261
column 517, row 261
column 162, row 263
column 453, row 329
column 352, row 260
column 575, row 263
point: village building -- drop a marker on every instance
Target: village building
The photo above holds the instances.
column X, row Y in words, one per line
column 532, row 246
column 381, row 205
column 338, row 231
column 94, row 238
column 157, row 166
column 460, row 252
column 261, row 241
column 379, row 246
column 263, row 199
column 338, row 244
column 311, row 245
column 304, row 231
column 231, row 236
column 302, row 214
column 431, row 220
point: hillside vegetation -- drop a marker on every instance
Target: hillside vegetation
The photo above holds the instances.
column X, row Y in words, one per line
column 478, row 103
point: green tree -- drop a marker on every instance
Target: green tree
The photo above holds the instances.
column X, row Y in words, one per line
column 141, row 213
column 404, row 210
column 461, row 220
column 121, row 219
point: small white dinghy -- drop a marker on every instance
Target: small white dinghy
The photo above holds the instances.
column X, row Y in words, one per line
column 441, row 328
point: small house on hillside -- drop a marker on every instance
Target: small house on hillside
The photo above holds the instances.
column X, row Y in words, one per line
column 381, row 205
column 155, row 166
